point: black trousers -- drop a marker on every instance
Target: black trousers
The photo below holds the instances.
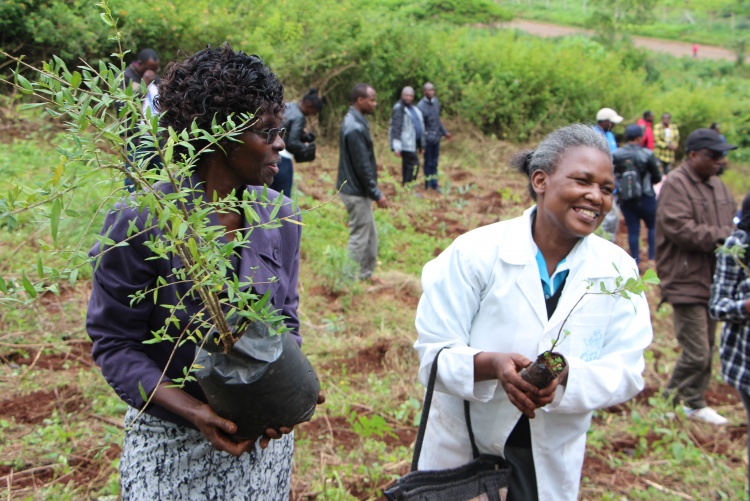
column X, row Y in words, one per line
column 409, row 166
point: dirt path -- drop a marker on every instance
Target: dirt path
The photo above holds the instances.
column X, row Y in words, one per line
column 655, row 44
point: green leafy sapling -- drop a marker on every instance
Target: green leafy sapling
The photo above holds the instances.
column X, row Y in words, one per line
column 625, row 288
column 550, row 364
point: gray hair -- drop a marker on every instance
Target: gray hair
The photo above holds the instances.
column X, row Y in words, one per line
column 546, row 156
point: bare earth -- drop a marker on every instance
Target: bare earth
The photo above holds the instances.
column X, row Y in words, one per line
column 655, row 44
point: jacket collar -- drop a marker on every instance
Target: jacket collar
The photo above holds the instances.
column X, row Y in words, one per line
column 712, row 181
column 359, row 116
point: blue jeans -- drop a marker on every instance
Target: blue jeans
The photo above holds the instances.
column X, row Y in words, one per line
column 635, row 211
column 431, row 155
column 282, row 182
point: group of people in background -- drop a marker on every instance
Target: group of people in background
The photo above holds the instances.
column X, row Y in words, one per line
column 417, row 129
column 692, row 218
column 413, row 130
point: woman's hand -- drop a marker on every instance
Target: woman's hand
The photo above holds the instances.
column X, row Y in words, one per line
column 217, row 430
column 505, row 367
column 547, row 395
column 276, row 434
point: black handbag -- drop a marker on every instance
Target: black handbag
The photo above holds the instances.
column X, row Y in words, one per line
column 307, row 154
column 486, row 475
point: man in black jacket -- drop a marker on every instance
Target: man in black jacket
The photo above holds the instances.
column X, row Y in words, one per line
column 434, row 132
column 637, row 170
column 358, row 180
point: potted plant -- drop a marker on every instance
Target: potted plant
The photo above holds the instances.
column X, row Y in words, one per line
column 242, row 344
column 550, row 364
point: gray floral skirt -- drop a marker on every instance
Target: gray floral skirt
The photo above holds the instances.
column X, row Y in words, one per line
column 164, row 461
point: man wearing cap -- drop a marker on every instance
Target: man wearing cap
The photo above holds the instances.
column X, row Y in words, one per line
column 606, row 119
column 693, row 217
column 666, row 140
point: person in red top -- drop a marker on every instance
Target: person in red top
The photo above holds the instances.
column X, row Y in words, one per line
column 647, row 124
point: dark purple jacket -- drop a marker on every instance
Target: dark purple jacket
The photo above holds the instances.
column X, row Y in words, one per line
column 119, row 329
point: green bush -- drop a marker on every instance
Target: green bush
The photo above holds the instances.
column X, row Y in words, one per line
column 512, row 85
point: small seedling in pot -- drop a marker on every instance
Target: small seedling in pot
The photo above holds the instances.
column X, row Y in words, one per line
column 550, row 364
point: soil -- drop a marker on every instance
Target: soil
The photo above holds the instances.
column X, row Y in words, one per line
column 545, row 369
column 479, row 201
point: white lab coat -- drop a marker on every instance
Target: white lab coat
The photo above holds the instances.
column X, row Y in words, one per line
column 483, row 293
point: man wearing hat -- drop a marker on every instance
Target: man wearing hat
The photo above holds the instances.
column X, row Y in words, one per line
column 693, row 217
column 606, row 119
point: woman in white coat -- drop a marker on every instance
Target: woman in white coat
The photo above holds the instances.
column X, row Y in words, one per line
column 497, row 297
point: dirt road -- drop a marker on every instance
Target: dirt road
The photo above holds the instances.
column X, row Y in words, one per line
column 655, row 44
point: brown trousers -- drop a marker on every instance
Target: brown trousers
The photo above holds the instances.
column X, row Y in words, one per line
column 696, row 334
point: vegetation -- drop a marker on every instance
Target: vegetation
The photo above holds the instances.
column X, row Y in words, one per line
column 60, row 422
column 514, row 86
column 714, row 22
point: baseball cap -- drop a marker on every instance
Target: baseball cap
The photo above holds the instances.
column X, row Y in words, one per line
column 633, row 131
column 706, row 138
column 608, row 114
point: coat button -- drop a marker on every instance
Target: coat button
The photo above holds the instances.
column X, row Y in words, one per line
column 276, row 252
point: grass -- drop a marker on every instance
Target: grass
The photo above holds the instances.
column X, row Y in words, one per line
column 60, row 421
column 691, row 24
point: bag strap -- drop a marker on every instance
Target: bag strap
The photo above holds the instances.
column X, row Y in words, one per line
column 426, row 412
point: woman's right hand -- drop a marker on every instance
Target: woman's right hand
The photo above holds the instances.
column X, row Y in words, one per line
column 505, row 368
column 216, row 429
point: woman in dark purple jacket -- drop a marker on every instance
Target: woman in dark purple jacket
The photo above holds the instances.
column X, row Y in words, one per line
column 179, row 448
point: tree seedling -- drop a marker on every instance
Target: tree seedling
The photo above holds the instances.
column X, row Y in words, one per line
column 550, row 364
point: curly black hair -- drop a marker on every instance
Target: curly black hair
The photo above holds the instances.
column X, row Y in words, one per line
column 214, row 83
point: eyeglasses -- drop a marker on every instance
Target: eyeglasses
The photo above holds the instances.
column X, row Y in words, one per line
column 270, row 134
column 713, row 154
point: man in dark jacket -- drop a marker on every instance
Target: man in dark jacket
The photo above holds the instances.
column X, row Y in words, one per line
column 637, row 170
column 434, row 132
column 358, row 179
column 693, row 217
column 406, row 134
column 147, row 59
column 298, row 141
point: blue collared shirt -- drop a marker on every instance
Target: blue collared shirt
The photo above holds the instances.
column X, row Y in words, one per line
column 551, row 284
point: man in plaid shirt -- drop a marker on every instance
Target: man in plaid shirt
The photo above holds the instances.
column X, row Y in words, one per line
column 730, row 303
column 666, row 140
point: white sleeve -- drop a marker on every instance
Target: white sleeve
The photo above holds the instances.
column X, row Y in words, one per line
column 453, row 284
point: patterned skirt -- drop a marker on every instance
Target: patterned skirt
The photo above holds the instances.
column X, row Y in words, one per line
column 164, row 461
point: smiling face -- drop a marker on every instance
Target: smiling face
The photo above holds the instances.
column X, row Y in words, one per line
column 252, row 161
column 575, row 197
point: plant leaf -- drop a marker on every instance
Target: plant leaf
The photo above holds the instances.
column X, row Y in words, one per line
column 144, row 396
column 27, row 285
column 54, row 222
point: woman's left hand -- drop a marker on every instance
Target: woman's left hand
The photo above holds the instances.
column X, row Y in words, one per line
column 547, row 395
column 272, row 434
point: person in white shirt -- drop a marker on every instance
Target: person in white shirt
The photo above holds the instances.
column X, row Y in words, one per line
column 496, row 298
